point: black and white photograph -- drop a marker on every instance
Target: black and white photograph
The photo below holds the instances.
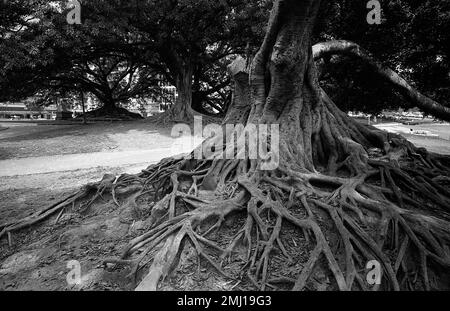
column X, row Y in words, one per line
column 235, row 149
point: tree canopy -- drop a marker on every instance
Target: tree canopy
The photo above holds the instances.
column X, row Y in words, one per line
column 123, row 48
column 50, row 56
column 412, row 39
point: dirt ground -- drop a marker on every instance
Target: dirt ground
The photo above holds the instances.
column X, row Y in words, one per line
column 44, row 159
column 39, row 257
column 36, row 261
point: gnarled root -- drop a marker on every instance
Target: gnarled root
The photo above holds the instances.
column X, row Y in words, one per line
column 407, row 241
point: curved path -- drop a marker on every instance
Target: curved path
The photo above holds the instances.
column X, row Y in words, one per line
column 73, row 162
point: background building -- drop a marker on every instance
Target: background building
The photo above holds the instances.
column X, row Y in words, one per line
column 21, row 111
column 147, row 106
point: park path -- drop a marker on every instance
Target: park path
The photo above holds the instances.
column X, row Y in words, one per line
column 151, row 154
column 72, row 162
column 52, row 149
column 82, row 161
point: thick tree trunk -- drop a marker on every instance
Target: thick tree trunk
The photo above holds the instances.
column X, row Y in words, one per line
column 239, row 109
column 293, row 98
column 283, row 89
column 110, row 110
column 109, row 105
column 197, row 96
column 83, row 107
column 416, row 99
column 182, row 111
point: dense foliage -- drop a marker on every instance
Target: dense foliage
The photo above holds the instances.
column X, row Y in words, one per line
column 413, row 39
column 123, row 48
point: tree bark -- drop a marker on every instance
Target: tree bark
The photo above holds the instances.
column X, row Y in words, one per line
column 109, row 105
column 83, row 106
column 414, row 97
column 110, row 109
column 239, row 109
column 181, row 110
column 283, row 89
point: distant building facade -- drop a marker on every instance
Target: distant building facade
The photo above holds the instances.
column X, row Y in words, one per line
column 147, row 106
column 21, row 111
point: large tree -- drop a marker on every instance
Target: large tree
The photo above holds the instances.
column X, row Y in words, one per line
column 191, row 38
column 44, row 55
column 342, row 192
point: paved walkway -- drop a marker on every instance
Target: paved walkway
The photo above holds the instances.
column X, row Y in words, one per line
column 72, row 162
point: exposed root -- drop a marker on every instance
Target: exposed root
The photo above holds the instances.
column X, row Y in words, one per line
column 39, row 216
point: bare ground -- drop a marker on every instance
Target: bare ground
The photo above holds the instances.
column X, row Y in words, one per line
column 36, row 261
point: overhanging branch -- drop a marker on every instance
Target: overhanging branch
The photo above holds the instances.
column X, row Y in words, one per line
column 414, row 97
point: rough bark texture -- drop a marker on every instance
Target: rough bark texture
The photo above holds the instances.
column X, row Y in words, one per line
column 181, row 110
column 416, row 99
column 344, row 194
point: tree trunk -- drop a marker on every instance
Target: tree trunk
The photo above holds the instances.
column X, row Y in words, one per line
column 283, row 89
column 111, row 110
column 83, row 107
column 239, row 109
column 182, row 111
column 109, row 105
column 197, row 96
